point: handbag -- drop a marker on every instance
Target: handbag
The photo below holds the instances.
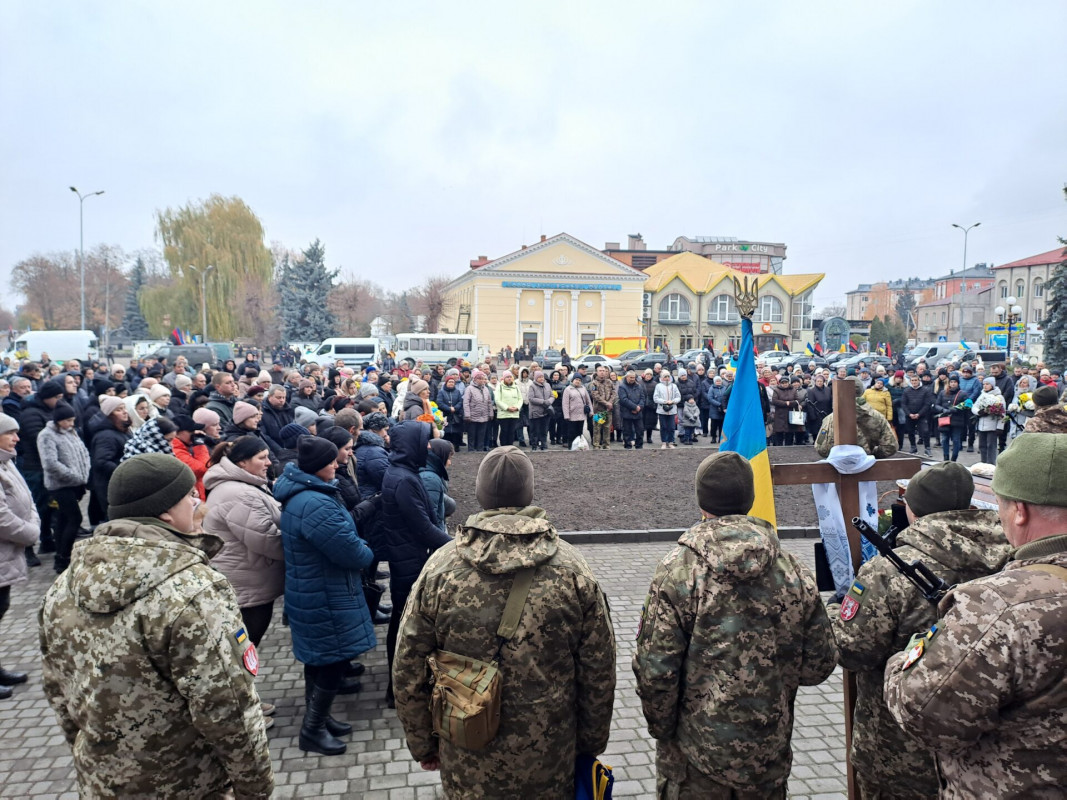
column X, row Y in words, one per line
column 372, row 593
column 797, row 417
column 946, row 421
column 592, row 779
column 465, row 701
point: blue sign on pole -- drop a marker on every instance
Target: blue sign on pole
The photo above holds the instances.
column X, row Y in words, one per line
column 942, row 338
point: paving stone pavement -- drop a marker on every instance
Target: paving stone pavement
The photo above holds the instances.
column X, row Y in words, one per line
column 35, row 761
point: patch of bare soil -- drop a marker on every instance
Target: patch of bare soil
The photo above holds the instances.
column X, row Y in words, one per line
column 622, row 489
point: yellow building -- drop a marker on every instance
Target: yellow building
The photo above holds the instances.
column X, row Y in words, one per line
column 560, row 292
column 689, row 300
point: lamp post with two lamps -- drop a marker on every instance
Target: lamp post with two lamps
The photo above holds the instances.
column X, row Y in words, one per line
column 81, row 244
column 1011, row 315
column 963, row 286
column 203, row 296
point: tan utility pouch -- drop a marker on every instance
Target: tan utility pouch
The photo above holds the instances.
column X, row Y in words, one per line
column 465, row 702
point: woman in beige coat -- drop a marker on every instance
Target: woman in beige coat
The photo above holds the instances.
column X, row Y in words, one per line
column 19, row 529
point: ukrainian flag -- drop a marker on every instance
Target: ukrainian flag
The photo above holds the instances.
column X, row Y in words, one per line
column 810, row 351
column 743, row 431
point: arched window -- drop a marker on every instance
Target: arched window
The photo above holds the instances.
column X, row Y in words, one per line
column 723, row 308
column 1003, row 289
column 1039, row 287
column 1020, row 289
column 770, row 309
column 674, row 308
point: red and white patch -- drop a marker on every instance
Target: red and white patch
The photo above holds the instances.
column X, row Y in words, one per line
column 849, row 608
column 914, row 654
column 251, row 659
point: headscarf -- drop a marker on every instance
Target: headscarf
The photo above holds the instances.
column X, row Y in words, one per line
column 148, row 439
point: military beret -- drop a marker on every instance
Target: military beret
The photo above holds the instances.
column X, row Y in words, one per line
column 1033, row 470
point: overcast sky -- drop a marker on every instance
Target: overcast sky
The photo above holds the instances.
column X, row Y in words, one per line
column 411, row 137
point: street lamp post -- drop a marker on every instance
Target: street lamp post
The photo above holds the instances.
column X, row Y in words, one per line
column 203, row 297
column 963, row 286
column 1011, row 315
column 81, row 244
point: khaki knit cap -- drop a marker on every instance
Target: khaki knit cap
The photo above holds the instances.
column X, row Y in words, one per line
column 725, row 484
column 1033, row 470
column 505, row 479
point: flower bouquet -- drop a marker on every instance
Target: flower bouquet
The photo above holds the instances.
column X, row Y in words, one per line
column 432, row 415
column 1024, row 402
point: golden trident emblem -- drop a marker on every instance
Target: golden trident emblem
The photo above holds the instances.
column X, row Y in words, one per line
column 746, row 296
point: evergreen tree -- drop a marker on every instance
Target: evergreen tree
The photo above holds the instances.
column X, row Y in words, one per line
column 1054, row 325
column 304, row 290
column 133, row 320
column 877, row 333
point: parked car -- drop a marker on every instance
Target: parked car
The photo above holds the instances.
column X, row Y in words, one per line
column 774, row 358
column 802, row 361
column 630, row 355
column 546, row 358
column 833, row 358
column 196, row 354
column 593, row 361
column 647, row 361
column 871, row 360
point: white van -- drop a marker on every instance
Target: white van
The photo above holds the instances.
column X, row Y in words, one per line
column 357, row 353
column 60, row 345
column 932, row 352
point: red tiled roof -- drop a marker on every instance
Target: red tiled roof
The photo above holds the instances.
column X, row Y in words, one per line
column 1051, row 257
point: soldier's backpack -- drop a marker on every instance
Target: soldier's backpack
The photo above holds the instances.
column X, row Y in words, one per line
column 465, row 701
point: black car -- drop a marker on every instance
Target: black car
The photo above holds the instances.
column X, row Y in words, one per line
column 647, row 361
column 196, row 354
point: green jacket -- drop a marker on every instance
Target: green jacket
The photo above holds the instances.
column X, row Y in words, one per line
column 149, row 669
column 508, row 396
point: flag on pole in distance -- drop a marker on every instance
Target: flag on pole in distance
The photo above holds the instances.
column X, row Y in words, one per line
column 888, row 350
column 809, row 350
column 743, row 431
column 965, row 346
column 842, row 349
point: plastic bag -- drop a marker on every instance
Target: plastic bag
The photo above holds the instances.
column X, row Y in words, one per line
column 580, row 443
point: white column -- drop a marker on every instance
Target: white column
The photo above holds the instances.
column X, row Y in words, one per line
column 576, row 339
column 518, row 316
column 603, row 313
column 545, row 332
column 474, row 318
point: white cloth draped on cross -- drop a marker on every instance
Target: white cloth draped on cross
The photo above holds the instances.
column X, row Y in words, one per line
column 847, row 459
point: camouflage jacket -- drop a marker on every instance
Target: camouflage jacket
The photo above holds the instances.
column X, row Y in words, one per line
column 144, row 662
column 1048, row 420
column 732, row 626
column 988, row 688
column 558, row 670
column 603, row 393
column 885, row 610
column 873, row 433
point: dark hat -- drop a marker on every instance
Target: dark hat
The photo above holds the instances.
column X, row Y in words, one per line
column 147, row 485
column 186, row 423
column 1033, row 469
column 290, row 434
column 376, row 421
column 725, row 484
column 505, row 479
column 947, row 486
column 339, row 436
column 1045, row 396
column 62, row 411
column 314, row 453
column 51, row 389
column 442, row 448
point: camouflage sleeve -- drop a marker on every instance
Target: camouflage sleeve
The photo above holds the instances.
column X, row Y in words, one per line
column 52, row 680
column 825, row 438
column 416, row 640
column 595, row 676
column 948, row 691
column 213, row 669
column 866, row 625
column 887, row 440
column 820, row 651
column 662, row 642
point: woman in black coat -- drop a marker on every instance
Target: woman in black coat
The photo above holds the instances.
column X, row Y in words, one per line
column 818, row 403
column 648, row 383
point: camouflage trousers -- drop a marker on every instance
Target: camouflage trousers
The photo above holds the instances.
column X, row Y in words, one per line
column 601, row 434
column 875, row 790
column 677, row 779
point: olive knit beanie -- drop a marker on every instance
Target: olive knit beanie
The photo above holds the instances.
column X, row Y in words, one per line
column 947, row 486
column 505, row 479
column 725, row 484
column 1033, row 470
column 147, row 485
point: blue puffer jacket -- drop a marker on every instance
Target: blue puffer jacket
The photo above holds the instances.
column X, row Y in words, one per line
column 434, row 479
column 408, row 519
column 372, row 460
column 328, row 617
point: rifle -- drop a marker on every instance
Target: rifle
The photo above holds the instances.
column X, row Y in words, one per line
column 931, row 586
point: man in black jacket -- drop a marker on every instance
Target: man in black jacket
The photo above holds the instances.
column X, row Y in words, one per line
column 916, row 403
column 277, row 413
column 632, row 402
column 35, row 414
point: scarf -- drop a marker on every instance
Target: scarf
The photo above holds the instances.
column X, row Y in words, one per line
column 847, row 459
column 148, row 439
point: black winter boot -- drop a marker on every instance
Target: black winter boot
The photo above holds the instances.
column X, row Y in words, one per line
column 314, row 736
column 334, row 726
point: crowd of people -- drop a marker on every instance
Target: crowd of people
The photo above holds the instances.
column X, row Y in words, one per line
column 212, row 493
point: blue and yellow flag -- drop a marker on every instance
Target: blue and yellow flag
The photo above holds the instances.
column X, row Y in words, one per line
column 743, row 431
column 810, row 351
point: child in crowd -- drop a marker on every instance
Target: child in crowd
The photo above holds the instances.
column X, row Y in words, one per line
column 690, row 420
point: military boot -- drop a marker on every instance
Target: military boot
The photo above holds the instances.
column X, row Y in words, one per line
column 334, row 726
column 314, row 736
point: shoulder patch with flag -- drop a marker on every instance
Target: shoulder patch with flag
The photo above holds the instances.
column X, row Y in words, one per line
column 852, row 602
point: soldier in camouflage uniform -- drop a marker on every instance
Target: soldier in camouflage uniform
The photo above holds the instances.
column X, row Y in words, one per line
column 604, row 395
column 986, row 685
column 558, row 669
column 1051, row 416
column 883, row 609
column 145, row 659
column 873, row 431
column 732, row 626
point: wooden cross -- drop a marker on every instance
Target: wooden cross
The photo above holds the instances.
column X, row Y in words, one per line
column 844, row 394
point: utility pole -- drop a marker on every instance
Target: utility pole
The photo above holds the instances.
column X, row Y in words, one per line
column 963, row 285
column 81, row 244
column 203, row 297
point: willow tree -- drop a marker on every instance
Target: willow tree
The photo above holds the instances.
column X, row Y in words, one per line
column 222, row 232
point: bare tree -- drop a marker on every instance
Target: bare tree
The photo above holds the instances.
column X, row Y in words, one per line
column 831, row 310
column 431, row 301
